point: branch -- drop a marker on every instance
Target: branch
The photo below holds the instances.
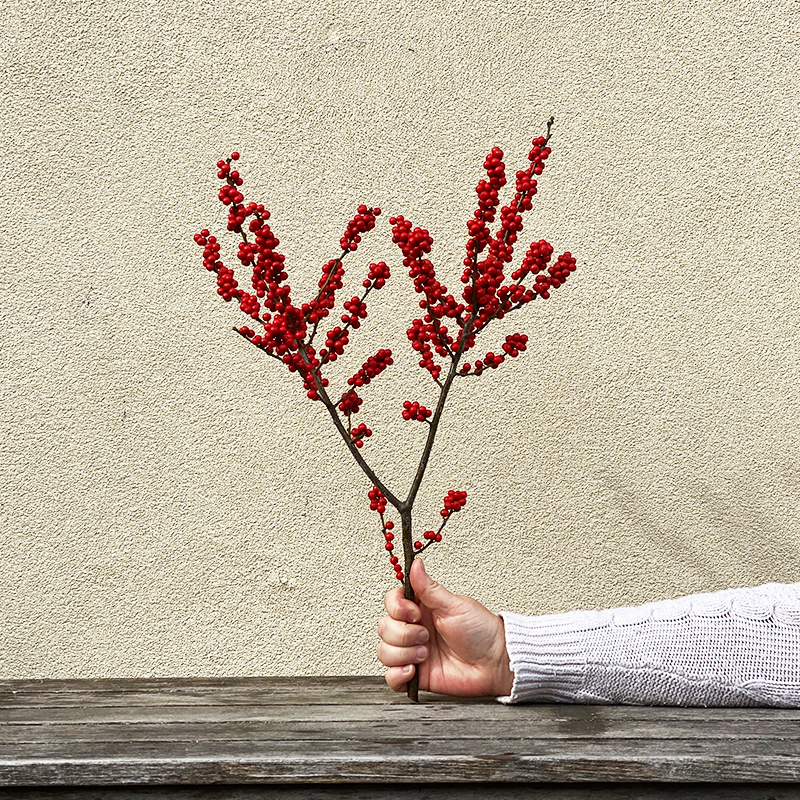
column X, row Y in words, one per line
column 322, row 289
column 437, row 327
column 346, row 326
column 345, row 434
column 433, row 541
column 248, row 339
column 437, row 415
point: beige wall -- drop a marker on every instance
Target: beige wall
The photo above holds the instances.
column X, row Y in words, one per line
column 171, row 504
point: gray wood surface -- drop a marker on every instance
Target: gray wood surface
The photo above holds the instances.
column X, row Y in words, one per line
column 419, row 791
column 353, row 730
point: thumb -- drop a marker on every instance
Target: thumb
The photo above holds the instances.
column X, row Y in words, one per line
column 430, row 593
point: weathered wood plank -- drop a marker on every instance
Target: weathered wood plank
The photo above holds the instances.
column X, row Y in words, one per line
column 419, row 759
column 38, row 696
column 309, row 686
column 573, row 719
column 158, row 704
column 194, row 691
column 89, row 711
column 359, row 728
column 415, row 746
column 324, row 731
column 417, row 791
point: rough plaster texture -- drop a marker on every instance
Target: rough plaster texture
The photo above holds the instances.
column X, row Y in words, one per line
column 172, row 506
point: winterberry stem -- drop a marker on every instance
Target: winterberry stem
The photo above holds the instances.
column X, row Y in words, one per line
column 406, row 507
column 287, row 332
column 247, row 339
column 437, row 414
column 408, row 591
column 431, row 541
column 345, row 434
column 347, row 325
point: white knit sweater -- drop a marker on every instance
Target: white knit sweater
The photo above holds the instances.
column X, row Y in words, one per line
column 738, row 647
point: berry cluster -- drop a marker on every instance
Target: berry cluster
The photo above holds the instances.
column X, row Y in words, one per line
column 488, row 197
column 377, row 502
column 431, row 536
column 486, row 294
column 421, row 333
column 388, row 525
column 356, row 311
column 514, row 344
column 453, row 502
column 358, row 433
column 285, row 331
column 371, row 368
column 336, row 340
column 415, row 411
column 447, row 327
column 362, row 222
column 377, row 276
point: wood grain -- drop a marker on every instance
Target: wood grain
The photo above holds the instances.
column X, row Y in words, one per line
column 353, row 730
column 418, row 791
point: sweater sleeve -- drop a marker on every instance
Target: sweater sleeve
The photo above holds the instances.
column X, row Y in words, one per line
column 737, row 647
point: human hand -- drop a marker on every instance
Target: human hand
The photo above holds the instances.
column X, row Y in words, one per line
column 457, row 644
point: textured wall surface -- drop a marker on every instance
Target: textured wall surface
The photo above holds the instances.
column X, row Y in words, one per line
column 172, row 505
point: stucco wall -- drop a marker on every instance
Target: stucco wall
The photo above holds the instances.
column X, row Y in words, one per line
column 172, row 505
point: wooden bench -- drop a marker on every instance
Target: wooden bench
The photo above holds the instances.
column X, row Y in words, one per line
column 314, row 738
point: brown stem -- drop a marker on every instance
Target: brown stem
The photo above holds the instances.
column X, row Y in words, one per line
column 348, row 440
column 406, row 507
column 322, row 288
column 549, row 125
column 347, row 326
column 408, row 590
column 437, row 414
column 432, row 541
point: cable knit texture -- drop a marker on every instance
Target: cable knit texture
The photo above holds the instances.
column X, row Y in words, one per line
column 737, row 647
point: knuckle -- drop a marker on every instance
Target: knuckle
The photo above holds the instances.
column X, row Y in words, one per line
column 394, row 679
column 391, row 602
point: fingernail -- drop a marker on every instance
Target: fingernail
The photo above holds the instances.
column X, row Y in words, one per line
column 423, row 636
column 407, row 668
column 422, row 652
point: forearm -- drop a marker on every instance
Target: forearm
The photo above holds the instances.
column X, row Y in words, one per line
column 738, row 647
